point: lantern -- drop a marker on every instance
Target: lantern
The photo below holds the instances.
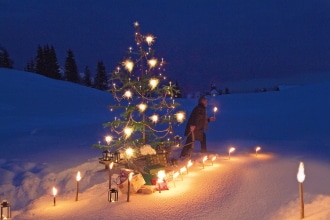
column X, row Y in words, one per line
column 117, row 157
column 106, row 155
column 5, row 212
column 113, row 195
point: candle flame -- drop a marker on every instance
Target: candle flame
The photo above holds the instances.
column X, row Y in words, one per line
column 301, row 173
column 153, row 83
column 129, row 65
column 142, row 107
column 129, row 152
column 154, row 118
column 180, row 116
column 128, row 131
column 54, row 191
column 258, row 148
column 152, row 63
column 215, row 109
column 232, row 149
column 108, row 139
column 128, row 94
column 150, row 39
column 213, row 158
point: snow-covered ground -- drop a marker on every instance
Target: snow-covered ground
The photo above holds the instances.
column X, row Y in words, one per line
column 48, row 126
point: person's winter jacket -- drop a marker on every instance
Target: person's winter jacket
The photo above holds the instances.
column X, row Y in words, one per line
column 197, row 118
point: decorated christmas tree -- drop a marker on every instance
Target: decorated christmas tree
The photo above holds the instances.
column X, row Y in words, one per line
column 145, row 110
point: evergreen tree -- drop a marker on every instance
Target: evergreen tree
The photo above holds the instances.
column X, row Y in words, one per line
column 53, row 66
column 30, row 66
column 101, row 81
column 71, row 71
column 5, row 60
column 40, row 61
column 87, row 81
column 146, row 110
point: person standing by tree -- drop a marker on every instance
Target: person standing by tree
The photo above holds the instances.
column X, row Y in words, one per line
column 197, row 123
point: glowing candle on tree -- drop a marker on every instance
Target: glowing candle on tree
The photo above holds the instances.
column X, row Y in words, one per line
column 78, row 178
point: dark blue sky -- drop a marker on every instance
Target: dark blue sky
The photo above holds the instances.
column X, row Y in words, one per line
column 202, row 41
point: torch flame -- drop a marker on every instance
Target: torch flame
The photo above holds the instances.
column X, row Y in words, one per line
column 232, row 149
column 175, row 175
column 258, row 148
column 301, row 173
column 54, row 191
column 214, row 157
column 78, row 177
column 161, row 175
column 110, row 165
column 183, row 169
column 189, row 164
column 204, row 159
column 215, row 109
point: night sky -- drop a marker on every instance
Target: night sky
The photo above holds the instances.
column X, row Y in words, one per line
column 202, row 41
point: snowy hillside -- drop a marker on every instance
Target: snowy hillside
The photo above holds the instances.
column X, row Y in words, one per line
column 48, row 126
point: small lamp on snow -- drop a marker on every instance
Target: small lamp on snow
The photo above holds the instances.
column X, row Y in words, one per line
column 113, row 195
column 301, row 178
column 106, row 155
column 5, row 212
column 117, row 157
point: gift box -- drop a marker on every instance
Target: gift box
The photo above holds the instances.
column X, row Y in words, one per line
column 136, row 183
column 147, row 189
column 157, row 159
column 153, row 169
